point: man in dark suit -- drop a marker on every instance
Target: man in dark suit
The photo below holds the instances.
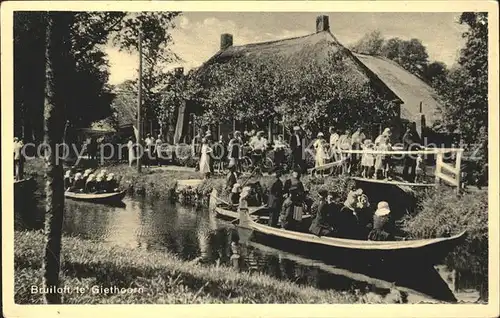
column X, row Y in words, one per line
column 411, row 142
column 275, row 199
column 296, row 148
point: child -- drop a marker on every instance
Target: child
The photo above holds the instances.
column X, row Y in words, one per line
column 111, row 184
column 90, row 185
column 420, row 169
column 367, row 159
column 382, row 160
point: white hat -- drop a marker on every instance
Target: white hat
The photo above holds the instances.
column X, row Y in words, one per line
column 99, row 178
column 320, row 134
column 387, row 131
column 68, row 173
column 296, row 128
column 245, row 192
column 382, row 209
column 236, row 186
column 91, row 177
column 78, row 176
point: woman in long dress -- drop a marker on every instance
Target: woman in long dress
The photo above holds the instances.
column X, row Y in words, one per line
column 205, row 158
column 319, row 145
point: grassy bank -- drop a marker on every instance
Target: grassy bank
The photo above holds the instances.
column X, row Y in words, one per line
column 442, row 213
column 163, row 277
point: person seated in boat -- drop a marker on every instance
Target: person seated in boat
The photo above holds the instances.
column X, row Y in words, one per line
column 90, row 185
column 86, row 174
column 100, row 184
column 68, row 180
column 365, row 215
column 245, row 194
column 320, row 226
column 275, row 199
column 111, row 185
column 293, row 209
column 294, row 181
column 234, row 197
column 257, row 196
column 231, row 178
column 348, row 224
column 78, row 184
column 383, row 227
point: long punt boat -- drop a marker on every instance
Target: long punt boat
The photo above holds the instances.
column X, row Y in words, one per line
column 428, row 251
column 112, row 197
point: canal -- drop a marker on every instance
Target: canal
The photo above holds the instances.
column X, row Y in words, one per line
column 195, row 234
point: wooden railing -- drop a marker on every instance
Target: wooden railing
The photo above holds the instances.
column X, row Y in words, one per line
column 449, row 173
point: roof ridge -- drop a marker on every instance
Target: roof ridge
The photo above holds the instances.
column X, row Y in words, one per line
column 276, row 41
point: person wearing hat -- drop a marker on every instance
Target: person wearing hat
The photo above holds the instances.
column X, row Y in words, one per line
column 383, row 229
column 232, row 177
column 90, row 185
column 320, row 147
column 294, row 204
column 382, row 160
column 348, row 222
column 244, row 195
column 275, row 199
column 68, row 180
column 78, row 184
column 320, row 226
column 386, row 133
column 296, row 148
column 149, row 150
column 111, row 183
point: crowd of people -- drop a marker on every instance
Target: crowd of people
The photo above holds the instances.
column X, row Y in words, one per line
column 289, row 201
column 219, row 154
column 90, row 181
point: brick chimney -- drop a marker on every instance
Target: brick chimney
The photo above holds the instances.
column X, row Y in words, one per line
column 322, row 23
column 226, row 40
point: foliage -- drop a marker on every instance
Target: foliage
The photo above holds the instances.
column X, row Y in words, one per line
column 371, row 44
column 466, row 97
column 313, row 93
column 441, row 213
column 165, row 278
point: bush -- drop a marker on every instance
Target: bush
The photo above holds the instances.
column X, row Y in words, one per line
column 441, row 213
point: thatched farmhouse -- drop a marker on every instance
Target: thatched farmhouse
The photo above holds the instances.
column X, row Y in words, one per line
column 413, row 98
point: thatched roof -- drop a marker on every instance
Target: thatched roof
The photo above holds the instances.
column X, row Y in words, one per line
column 317, row 47
column 409, row 88
column 395, row 83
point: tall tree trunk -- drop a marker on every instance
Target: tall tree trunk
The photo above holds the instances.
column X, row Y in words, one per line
column 57, row 61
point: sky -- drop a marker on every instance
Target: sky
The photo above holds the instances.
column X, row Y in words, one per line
column 197, row 34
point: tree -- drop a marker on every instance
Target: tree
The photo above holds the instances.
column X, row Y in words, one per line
column 58, row 57
column 411, row 55
column 436, row 74
column 310, row 93
column 370, row 44
column 155, row 30
column 466, row 98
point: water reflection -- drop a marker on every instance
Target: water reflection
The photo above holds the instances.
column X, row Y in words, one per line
column 196, row 234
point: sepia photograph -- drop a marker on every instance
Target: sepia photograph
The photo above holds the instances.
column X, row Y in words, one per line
column 176, row 156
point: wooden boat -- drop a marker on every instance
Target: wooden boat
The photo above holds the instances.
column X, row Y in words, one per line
column 223, row 210
column 429, row 251
column 112, row 197
column 394, row 182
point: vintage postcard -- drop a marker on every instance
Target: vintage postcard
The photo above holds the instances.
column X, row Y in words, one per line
column 267, row 159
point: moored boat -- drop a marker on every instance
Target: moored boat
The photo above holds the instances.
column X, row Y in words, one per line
column 428, row 251
column 112, row 197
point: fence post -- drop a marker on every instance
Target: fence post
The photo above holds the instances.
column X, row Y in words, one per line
column 458, row 163
column 439, row 162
